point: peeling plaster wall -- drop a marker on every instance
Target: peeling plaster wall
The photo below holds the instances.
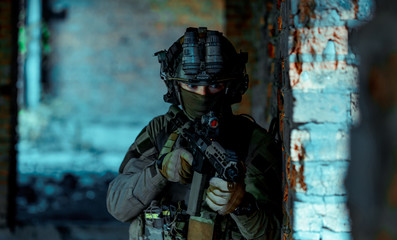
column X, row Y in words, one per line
column 315, row 95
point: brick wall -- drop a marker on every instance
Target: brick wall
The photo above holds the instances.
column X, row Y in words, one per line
column 7, row 110
column 317, row 104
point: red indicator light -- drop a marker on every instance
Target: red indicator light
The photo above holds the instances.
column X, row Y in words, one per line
column 214, row 123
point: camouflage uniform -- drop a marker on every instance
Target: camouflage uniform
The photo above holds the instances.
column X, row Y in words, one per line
column 131, row 193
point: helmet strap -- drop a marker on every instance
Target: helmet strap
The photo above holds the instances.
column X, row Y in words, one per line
column 177, row 91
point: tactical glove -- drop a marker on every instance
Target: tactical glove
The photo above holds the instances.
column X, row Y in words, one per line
column 224, row 197
column 177, row 166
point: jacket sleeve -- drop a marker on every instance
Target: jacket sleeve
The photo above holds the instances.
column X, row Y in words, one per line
column 139, row 181
column 263, row 181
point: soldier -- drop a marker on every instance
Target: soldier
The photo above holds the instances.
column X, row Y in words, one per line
column 238, row 194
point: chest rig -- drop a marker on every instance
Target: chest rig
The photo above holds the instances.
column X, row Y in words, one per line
column 167, row 218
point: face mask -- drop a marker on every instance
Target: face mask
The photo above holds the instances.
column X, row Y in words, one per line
column 197, row 105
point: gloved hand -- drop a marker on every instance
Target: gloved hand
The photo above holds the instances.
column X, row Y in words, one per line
column 224, row 197
column 177, row 166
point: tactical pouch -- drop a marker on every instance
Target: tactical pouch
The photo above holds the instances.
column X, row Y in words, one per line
column 136, row 228
column 153, row 222
column 200, row 229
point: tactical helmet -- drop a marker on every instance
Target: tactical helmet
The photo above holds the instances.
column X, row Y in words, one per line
column 203, row 57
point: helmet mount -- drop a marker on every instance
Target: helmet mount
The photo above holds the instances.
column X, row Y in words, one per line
column 203, row 57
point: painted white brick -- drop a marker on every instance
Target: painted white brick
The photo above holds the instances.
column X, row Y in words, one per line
column 315, row 39
column 311, row 217
column 331, row 235
column 306, row 236
column 320, row 142
column 325, row 79
column 320, row 107
column 342, row 145
column 323, row 178
column 299, row 139
column 336, row 218
column 306, row 217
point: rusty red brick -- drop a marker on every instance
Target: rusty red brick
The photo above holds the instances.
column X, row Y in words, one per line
column 296, row 42
column 297, row 173
column 315, row 40
column 288, row 168
column 271, row 30
column 302, row 183
column 296, row 68
column 306, row 8
column 297, row 177
column 356, row 8
column 286, row 192
column 293, row 178
column 271, row 50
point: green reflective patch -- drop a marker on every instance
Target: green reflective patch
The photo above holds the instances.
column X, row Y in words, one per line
column 152, row 215
column 166, row 213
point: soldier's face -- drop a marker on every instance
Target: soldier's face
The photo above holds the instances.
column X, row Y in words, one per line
column 203, row 90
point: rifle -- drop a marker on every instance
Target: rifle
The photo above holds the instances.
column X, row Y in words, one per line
column 210, row 158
